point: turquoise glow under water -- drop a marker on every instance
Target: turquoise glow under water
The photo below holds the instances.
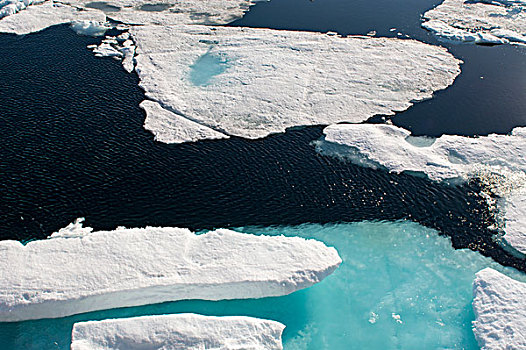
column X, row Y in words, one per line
column 206, row 67
column 400, row 286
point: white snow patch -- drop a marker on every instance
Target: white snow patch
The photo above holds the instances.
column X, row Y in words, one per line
column 480, row 22
column 91, row 28
column 38, row 17
column 75, row 271
column 181, row 331
column 169, row 127
column 500, row 311
column 254, row 82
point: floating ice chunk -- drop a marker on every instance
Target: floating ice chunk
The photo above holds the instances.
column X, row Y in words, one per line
column 10, row 7
column 120, row 48
column 74, row 273
column 73, row 230
column 39, row 17
column 480, row 22
column 91, row 28
column 181, row 331
column 264, row 81
column 514, row 208
column 500, row 311
column 169, row 127
column 174, row 12
column 448, row 157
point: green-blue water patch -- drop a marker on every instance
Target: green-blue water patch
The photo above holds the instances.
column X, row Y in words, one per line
column 400, row 285
column 206, row 67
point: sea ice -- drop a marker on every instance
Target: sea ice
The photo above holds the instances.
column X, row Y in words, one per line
column 255, row 82
column 169, row 127
column 500, row 310
column 181, row 331
column 480, row 22
column 498, row 160
column 173, row 12
column 39, row 17
column 10, row 7
column 74, row 272
column 91, row 28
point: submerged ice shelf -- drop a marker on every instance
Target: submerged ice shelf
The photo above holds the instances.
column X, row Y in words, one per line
column 77, row 270
column 479, row 21
column 498, row 160
column 182, row 331
column 500, row 309
column 270, row 80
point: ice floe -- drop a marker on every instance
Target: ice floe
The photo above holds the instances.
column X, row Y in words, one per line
column 169, row 127
column 77, row 271
column 500, row 311
column 38, row 17
column 513, row 209
column 121, row 48
column 10, row 7
column 181, row 331
column 480, row 22
column 498, row 160
column 170, row 12
column 254, row 82
column 88, row 27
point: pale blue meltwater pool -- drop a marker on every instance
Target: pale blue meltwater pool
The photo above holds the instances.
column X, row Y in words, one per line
column 206, row 68
column 400, row 286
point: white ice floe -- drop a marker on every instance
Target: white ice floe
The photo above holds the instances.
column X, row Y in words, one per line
column 10, row 7
column 169, row 127
column 448, row 157
column 498, row 160
column 254, row 82
column 500, row 311
column 171, row 12
column 181, row 331
column 480, row 22
column 39, row 17
column 89, row 27
column 77, row 271
column 513, row 208
column 121, row 48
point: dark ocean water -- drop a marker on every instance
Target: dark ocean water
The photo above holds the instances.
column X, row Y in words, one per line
column 73, row 143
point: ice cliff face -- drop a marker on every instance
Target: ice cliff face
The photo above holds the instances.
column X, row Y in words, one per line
column 255, row 82
column 500, row 311
column 182, row 331
column 76, row 270
column 479, row 22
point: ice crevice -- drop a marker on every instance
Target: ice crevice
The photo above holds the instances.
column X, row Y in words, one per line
column 78, row 270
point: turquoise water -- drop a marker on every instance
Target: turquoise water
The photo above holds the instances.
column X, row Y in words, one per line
column 400, row 286
column 206, row 67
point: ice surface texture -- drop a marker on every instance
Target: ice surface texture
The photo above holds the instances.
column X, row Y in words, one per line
column 481, row 22
column 273, row 80
column 182, row 331
column 77, row 271
column 449, row 157
column 38, row 17
column 500, row 311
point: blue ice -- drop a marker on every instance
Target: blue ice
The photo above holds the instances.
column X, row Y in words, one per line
column 206, row 67
column 400, row 286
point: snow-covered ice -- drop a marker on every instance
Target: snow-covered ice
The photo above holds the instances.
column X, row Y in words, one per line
column 180, row 331
column 480, row 22
column 173, row 12
column 91, row 28
column 38, row 17
column 254, row 82
column 500, row 311
column 513, row 207
column 78, row 271
column 448, row 157
column 10, row 7
column 498, row 160
column 169, row 127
